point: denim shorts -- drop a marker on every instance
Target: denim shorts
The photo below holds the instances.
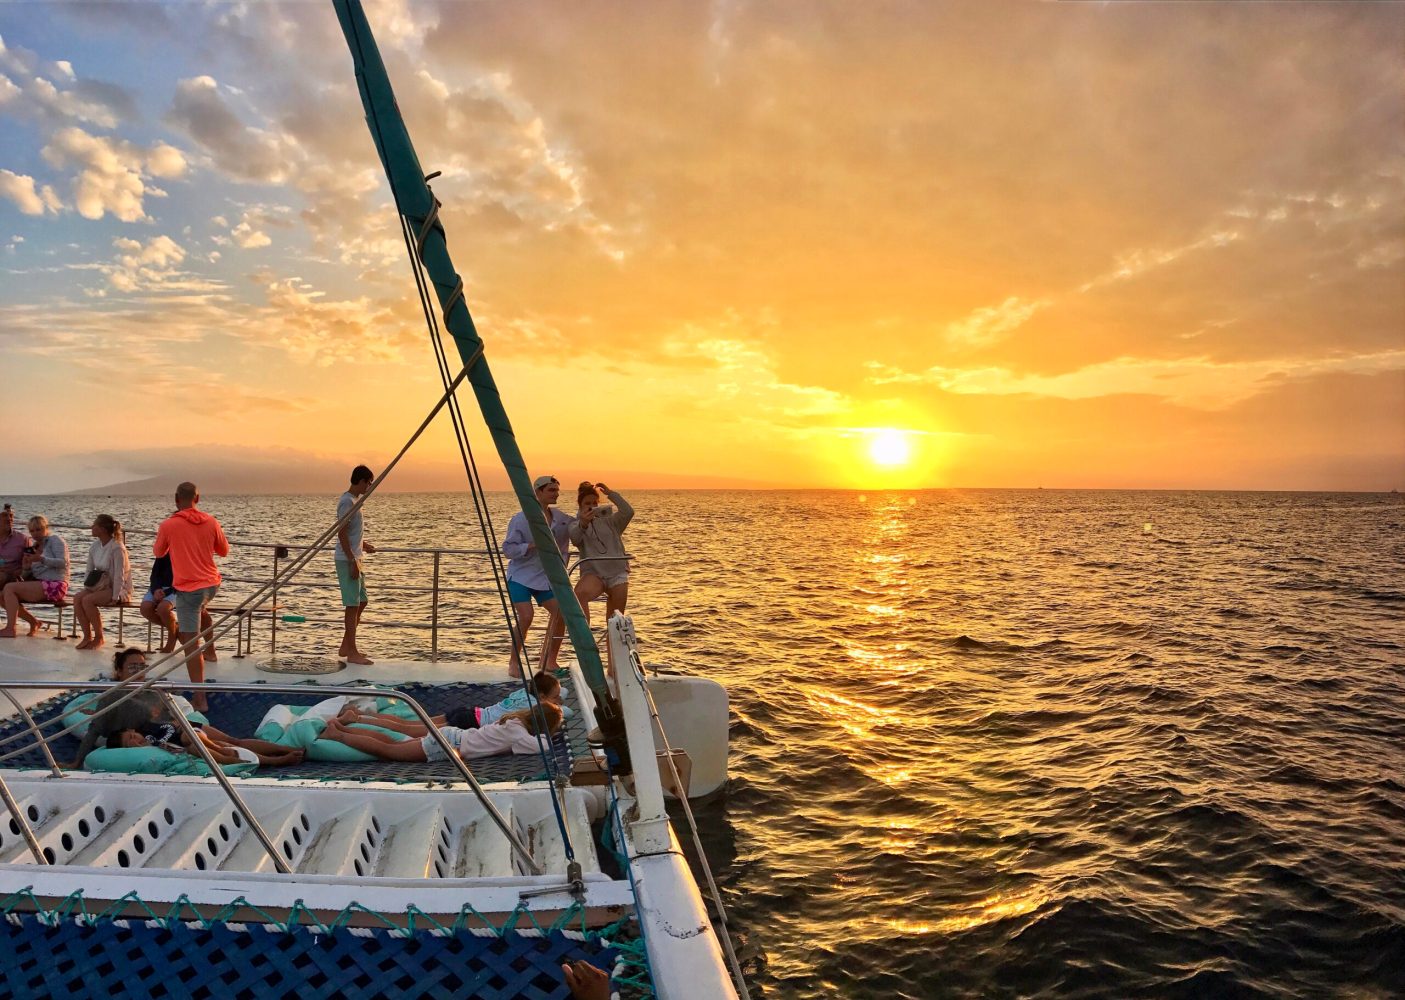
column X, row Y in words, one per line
column 433, row 751
column 189, row 604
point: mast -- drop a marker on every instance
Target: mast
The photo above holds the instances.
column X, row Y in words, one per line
column 416, row 202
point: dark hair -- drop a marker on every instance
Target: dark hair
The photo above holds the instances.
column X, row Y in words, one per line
column 120, row 658
column 361, row 474
column 542, row 684
column 459, row 718
column 114, row 738
column 187, row 491
column 586, row 489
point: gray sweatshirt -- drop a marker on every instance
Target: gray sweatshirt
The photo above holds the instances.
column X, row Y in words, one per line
column 600, row 544
column 54, row 560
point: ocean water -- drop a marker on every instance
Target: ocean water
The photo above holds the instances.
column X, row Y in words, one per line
column 996, row 743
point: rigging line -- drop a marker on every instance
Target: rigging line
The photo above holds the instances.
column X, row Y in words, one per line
column 475, row 484
column 726, row 934
column 175, row 659
column 549, row 762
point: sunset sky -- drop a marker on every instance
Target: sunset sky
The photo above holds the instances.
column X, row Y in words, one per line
column 859, row 244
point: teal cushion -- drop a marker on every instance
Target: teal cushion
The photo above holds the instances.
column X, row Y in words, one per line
column 154, row 760
column 79, row 720
column 305, row 734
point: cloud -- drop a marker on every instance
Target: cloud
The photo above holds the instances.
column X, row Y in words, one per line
column 991, row 323
column 30, row 200
column 113, row 174
column 27, row 89
column 242, row 151
column 1191, row 382
column 143, row 266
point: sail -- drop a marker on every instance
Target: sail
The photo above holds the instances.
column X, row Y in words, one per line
column 416, row 202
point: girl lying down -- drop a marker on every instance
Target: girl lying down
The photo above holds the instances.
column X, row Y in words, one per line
column 224, row 749
column 516, row 732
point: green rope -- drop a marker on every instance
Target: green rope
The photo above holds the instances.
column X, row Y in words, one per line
column 183, row 910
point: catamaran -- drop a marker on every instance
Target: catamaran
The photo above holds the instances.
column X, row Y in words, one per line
column 165, row 874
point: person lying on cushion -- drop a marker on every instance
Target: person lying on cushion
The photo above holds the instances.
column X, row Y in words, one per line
column 543, row 685
column 518, row 732
column 224, row 749
column 126, row 664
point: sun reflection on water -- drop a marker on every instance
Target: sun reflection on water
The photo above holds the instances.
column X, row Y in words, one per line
column 987, row 911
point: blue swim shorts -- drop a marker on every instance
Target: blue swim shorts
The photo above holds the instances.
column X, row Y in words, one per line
column 520, row 593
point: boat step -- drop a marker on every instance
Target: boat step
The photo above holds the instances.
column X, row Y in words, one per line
column 200, row 839
column 408, row 848
column 342, row 844
column 287, row 826
column 128, row 837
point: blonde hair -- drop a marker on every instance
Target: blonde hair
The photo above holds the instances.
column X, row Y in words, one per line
column 40, row 520
column 541, row 716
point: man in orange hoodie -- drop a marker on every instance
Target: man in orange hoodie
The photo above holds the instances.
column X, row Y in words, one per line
column 192, row 539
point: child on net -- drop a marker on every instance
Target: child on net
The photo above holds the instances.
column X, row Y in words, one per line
column 223, row 748
column 541, row 687
column 528, row 732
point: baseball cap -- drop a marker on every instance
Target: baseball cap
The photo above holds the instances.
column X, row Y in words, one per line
column 541, row 481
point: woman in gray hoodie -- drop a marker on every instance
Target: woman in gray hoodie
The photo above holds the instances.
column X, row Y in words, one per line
column 596, row 532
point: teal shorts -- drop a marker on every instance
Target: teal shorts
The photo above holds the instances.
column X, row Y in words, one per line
column 353, row 592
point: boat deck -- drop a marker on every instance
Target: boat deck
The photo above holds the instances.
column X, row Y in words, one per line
column 239, row 715
column 436, row 686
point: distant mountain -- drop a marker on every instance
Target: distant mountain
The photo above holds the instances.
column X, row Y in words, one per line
column 236, row 471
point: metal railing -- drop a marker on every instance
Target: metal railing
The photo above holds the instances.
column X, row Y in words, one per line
column 165, row 689
column 276, row 614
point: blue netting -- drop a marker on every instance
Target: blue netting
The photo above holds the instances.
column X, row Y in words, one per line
column 239, row 715
column 112, row 958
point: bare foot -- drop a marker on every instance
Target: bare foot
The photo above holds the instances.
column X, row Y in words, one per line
column 200, row 703
column 96, row 643
column 359, row 660
column 210, row 656
column 9, row 633
column 170, row 645
column 84, row 644
column 36, row 626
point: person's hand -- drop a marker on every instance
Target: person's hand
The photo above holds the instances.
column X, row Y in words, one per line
column 354, row 568
column 369, row 547
column 586, row 981
column 159, row 594
column 602, row 487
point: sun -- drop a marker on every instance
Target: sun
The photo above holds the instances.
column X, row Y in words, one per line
column 889, row 448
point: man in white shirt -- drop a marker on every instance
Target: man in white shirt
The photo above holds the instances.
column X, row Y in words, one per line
column 526, row 577
column 351, row 546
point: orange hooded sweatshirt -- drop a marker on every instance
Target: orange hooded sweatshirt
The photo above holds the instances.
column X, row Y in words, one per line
column 192, row 538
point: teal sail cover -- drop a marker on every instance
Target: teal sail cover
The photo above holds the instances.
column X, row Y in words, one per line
column 416, row 202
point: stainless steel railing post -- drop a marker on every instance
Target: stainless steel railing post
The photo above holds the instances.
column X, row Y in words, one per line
column 218, row 773
column 34, row 728
column 22, row 822
column 273, row 637
column 434, row 613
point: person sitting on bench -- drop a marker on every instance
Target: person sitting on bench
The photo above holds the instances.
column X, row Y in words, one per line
column 48, row 566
